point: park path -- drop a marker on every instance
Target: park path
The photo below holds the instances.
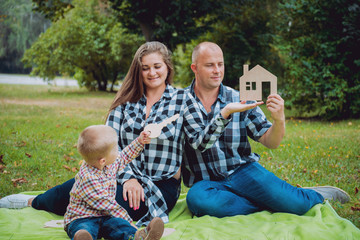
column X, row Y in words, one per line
column 29, row 80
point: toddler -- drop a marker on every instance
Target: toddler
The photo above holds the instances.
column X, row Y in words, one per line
column 93, row 212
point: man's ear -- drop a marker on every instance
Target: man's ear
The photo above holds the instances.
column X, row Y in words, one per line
column 193, row 67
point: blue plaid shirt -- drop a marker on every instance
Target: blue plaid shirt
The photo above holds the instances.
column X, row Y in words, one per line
column 232, row 149
column 161, row 159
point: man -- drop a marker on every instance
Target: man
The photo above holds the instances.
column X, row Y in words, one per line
column 227, row 180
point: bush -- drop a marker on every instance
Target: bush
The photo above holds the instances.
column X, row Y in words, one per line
column 316, row 42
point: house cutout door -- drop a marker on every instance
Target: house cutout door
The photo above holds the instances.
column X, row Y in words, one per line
column 266, row 89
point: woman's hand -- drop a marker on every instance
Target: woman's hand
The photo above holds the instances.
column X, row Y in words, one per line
column 133, row 191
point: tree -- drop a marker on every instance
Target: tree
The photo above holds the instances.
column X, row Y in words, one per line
column 245, row 34
column 317, row 42
column 53, row 10
column 171, row 22
column 19, row 28
column 88, row 43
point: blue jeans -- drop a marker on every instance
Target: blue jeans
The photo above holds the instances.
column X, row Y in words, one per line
column 56, row 199
column 102, row 227
column 251, row 188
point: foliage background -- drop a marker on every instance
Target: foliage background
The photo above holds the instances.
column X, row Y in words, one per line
column 311, row 45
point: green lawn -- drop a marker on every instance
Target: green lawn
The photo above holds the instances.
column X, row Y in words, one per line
column 39, row 126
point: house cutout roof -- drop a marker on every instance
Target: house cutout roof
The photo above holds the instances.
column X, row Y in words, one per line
column 251, row 83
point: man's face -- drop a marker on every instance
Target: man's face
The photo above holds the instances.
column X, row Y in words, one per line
column 209, row 68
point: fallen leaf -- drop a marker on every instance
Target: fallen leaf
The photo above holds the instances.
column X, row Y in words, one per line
column 67, row 167
column 67, row 158
column 355, row 208
column 1, row 159
column 298, row 185
column 21, row 144
column 74, row 169
column 18, row 180
column 28, row 155
column 2, row 167
column 356, row 190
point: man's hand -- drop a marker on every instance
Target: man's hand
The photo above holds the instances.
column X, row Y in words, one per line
column 238, row 107
column 135, row 192
column 273, row 137
column 275, row 104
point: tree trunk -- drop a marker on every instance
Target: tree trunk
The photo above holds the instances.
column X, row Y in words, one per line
column 147, row 31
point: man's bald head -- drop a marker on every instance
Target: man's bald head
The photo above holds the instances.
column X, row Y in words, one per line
column 201, row 47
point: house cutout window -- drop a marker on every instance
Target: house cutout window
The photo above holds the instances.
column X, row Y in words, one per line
column 253, row 86
column 250, row 86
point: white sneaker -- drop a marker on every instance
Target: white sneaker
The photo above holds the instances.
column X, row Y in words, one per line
column 15, row 201
column 332, row 193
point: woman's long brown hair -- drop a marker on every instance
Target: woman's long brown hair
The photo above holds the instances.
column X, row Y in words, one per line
column 132, row 88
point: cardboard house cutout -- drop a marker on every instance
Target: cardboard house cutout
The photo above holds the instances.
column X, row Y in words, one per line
column 251, row 83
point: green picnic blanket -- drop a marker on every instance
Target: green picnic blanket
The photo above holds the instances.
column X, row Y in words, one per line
column 321, row 222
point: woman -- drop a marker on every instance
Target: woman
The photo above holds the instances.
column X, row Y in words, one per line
column 150, row 185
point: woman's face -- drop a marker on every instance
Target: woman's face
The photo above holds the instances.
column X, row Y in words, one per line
column 154, row 71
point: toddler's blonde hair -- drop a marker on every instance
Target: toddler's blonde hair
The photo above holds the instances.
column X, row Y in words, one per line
column 96, row 141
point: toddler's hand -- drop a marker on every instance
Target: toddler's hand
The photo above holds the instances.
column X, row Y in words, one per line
column 144, row 137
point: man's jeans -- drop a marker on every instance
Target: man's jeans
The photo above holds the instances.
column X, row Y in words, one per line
column 251, row 188
column 102, row 227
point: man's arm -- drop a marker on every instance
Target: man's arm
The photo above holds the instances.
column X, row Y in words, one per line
column 273, row 137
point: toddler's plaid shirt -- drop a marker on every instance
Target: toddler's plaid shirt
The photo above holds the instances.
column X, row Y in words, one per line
column 93, row 194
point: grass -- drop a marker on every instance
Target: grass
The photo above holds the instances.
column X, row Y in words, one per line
column 39, row 127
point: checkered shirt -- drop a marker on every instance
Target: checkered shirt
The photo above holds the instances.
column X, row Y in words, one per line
column 93, row 193
column 232, row 149
column 163, row 156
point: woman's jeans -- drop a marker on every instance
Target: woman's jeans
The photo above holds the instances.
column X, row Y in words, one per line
column 57, row 198
column 251, row 188
column 102, row 227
